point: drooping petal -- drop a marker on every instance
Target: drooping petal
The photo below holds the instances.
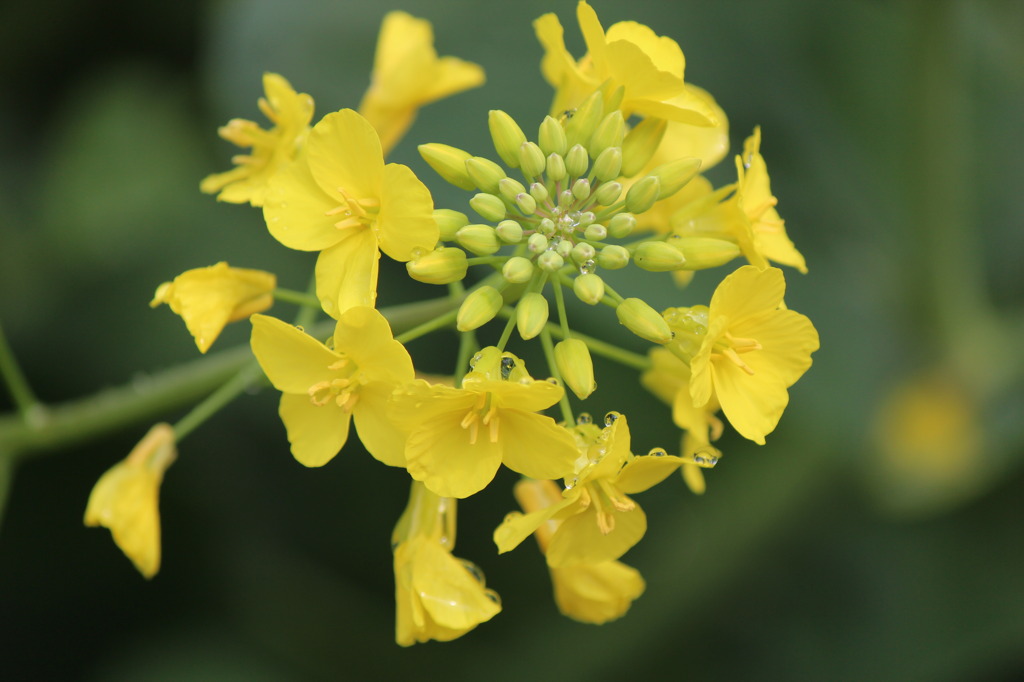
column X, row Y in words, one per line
column 517, row 527
column 533, row 445
column 292, row 359
column 346, row 273
column 579, row 538
column 596, row 593
column 316, row 432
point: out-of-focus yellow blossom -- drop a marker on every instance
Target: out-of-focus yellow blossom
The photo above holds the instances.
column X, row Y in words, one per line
column 593, row 593
column 437, row 596
column 126, row 499
column 210, row 298
column 750, row 350
column 408, row 74
column 290, row 113
column 324, row 388
column 599, row 522
column 340, row 199
column 648, row 68
column 459, row 437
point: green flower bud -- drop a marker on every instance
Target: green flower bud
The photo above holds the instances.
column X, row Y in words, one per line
column 551, row 137
column 478, row 239
column 572, row 357
column 537, row 243
column 576, row 161
column 565, row 198
column 478, row 309
column 531, row 159
column 586, row 218
column 673, row 176
column 526, row 204
column 564, row 248
column 531, row 315
column 608, row 164
column 484, row 173
column 705, row 252
column 658, row 257
column 546, row 227
column 507, row 136
column 642, row 195
column 589, row 288
column 539, row 192
column 556, row 167
column 581, row 189
column 442, row 266
column 509, row 188
column 643, row 320
column 509, row 231
column 449, row 163
column 488, row 206
column 449, row 222
column 609, row 133
column 596, row 232
column 613, row 257
column 550, row 261
column 622, row 225
column 640, row 143
column 582, row 252
column 580, row 128
column 517, row 270
column 608, row 193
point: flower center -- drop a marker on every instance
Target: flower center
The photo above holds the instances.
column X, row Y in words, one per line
column 342, row 390
column 354, row 212
column 483, row 413
column 731, row 346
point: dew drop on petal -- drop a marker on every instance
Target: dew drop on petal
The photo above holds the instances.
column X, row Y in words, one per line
column 657, row 452
column 611, row 418
column 584, row 418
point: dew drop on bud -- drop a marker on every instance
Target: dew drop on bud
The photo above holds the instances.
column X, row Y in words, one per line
column 584, row 418
column 475, row 359
column 507, row 365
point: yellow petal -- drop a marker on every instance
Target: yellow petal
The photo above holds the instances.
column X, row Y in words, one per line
column 593, row 35
column 788, row 339
column 297, row 211
column 517, row 527
column 291, row 359
column 451, row 595
column 406, row 222
column 596, row 593
column 346, row 273
column 344, row 151
column 663, row 52
column 381, row 437
column 365, row 336
column 645, row 472
column 316, row 432
column 579, row 539
column 748, row 291
column 439, row 454
column 452, row 76
column 533, row 445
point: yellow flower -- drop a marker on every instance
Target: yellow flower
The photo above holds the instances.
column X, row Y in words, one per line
column 323, row 388
column 649, row 68
column 272, row 150
column 209, row 298
column 407, row 74
column 126, row 499
column 599, row 522
column 750, row 352
column 340, row 199
column 459, row 437
column 437, row 596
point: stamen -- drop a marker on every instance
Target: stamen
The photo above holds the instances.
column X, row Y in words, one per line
column 732, row 355
column 267, row 110
column 742, row 345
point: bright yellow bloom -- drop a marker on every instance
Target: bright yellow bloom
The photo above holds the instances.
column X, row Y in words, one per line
column 290, row 113
column 210, row 298
column 437, row 596
column 751, row 352
column 126, row 499
column 408, row 74
column 324, row 388
column 459, row 437
column 649, row 69
column 599, row 522
column 340, row 199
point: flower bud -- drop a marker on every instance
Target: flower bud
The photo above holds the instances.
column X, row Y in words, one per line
column 531, row 159
column 608, row 193
column 517, row 270
column 572, row 357
column 539, row 192
column 622, row 225
column 478, row 239
column 565, row 198
column 580, row 128
column 704, row 252
column 581, row 189
column 526, row 203
column 442, row 266
column 657, row 256
column 640, row 143
column 449, row 222
column 564, row 248
column 582, row 252
column 643, row 320
column 576, row 161
column 608, row 165
column 509, row 188
column 589, row 288
column 550, row 261
column 509, row 231
column 556, row 167
column 613, row 257
column 478, row 309
column 449, row 163
column 551, row 137
column 673, row 176
column 484, row 173
column 546, row 227
column 531, row 315
column 507, row 136
column 537, row 243
column 595, row 232
column 609, row 133
column 642, row 195
column 488, row 206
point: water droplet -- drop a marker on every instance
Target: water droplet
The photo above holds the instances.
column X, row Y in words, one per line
column 473, row 570
column 300, row 327
column 587, row 267
column 507, row 365
column 706, row 462
column 584, row 418
column 572, row 484
column 473, row 360
column 610, row 418
column 657, row 452
column 493, row 596
column 601, row 451
column 418, row 252
column 556, row 382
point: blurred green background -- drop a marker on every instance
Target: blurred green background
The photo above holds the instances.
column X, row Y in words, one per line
column 892, row 134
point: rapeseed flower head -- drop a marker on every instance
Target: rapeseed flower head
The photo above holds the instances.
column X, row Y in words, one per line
column 290, row 112
column 325, row 387
column 340, row 199
column 126, row 499
column 459, row 437
column 210, row 298
column 408, row 74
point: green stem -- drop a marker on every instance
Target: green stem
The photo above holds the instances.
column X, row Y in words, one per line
column 560, row 306
column 17, row 385
column 301, row 298
column 506, row 333
column 549, row 355
column 487, row 260
column 467, row 346
column 308, row 312
column 439, row 322
column 246, row 377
